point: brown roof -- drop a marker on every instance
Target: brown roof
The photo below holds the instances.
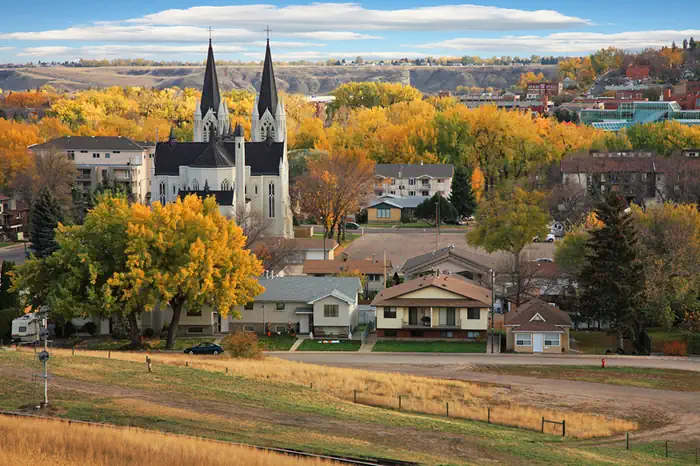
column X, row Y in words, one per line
column 522, row 316
column 364, row 266
column 453, row 283
column 299, row 244
column 627, row 161
column 432, row 303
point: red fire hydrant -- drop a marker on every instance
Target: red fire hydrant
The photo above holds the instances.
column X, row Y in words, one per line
column 602, row 363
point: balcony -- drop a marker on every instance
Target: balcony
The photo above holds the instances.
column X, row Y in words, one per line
column 430, row 324
column 427, row 318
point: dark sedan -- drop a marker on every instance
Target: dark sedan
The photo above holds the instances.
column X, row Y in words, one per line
column 205, row 348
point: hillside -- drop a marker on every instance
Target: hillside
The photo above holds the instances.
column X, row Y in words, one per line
column 293, row 79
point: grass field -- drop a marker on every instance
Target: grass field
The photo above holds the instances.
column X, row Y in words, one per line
column 86, row 445
column 154, row 344
column 660, row 336
column 317, row 345
column 277, row 343
column 388, row 346
column 271, row 403
column 5, row 244
column 663, row 379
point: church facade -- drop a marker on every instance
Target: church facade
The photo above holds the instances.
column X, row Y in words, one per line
column 249, row 179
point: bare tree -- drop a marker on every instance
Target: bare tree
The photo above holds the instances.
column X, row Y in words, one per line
column 526, row 279
column 275, row 252
column 253, row 224
column 569, row 203
column 52, row 169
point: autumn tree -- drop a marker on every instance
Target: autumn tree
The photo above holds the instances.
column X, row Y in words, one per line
column 372, row 94
column 188, row 255
column 508, row 221
column 611, row 282
column 335, row 186
column 529, row 77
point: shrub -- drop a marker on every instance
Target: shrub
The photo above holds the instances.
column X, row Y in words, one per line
column 242, row 345
column 68, row 329
column 675, row 348
column 149, row 332
column 90, row 328
column 693, row 341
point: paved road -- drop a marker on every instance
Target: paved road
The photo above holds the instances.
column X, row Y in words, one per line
column 12, row 253
column 433, row 359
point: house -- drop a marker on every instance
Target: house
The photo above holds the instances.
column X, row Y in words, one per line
column 393, row 209
column 439, row 306
column 468, row 264
column 411, row 180
column 537, row 327
column 373, row 271
column 630, row 113
column 637, row 72
column 539, row 279
column 113, row 160
column 14, row 219
column 249, row 179
column 286, row 256
column 326, row 306
column 536, row 91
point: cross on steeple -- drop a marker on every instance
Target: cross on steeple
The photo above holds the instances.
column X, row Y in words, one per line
column 268, row 30
column 209, row 33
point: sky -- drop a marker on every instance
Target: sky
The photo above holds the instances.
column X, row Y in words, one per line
column 58, row 30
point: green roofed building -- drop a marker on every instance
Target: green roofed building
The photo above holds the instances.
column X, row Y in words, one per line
column 632, row 113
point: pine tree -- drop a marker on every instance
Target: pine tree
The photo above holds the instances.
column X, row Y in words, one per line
column 692, row 44
column 612, row 280
column 427, row 210
column 674, row 47
column 45, row 216
column 462, row 196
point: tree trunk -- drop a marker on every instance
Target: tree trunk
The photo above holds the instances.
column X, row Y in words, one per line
column 518, row 279
column 620, row 340
column 134, row 330
column 176, row 305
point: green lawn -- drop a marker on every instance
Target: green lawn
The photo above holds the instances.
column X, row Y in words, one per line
column 4, row 244
column 660, row 336
column 277, row 343
column 389, row 346
column 662, row 379
column 156, row 344
column 317, row 345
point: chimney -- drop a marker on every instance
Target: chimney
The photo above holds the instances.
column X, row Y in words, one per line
column 666, row 94
column 373, row 260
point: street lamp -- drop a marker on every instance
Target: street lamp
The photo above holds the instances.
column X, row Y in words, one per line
column 493, row 314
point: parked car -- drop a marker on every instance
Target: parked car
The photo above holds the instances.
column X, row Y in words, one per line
column 544, row 259
column 548, row 239
column 205, row 348
column 352, row 226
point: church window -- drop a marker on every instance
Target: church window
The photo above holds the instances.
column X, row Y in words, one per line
column 268, row 129
column 271, row 199
column 256, row 189
column 195, row 185
column 174, row 188
column 205, row 135
column 161, row 191
column 225, row 186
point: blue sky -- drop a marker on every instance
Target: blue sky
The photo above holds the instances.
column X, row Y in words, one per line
column 177, row 30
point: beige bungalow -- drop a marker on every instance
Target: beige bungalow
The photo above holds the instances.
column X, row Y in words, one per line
column 442, row 306
column 537, row 327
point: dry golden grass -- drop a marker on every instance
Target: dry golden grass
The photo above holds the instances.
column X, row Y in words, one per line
column 419, row 394
column 42, row 441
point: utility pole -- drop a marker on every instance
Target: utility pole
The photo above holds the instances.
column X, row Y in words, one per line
column 44, row 355
column 437, row 224
column 493, row 300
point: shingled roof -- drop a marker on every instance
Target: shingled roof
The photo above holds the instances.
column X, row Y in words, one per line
column 472, row 294
column 536, row 315
column 211, row 99
column 399, row 170
column 479, row 260
column 364, row 266
column 268, row 88
column 107, row 143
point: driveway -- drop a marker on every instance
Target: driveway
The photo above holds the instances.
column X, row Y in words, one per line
column 388, row 360
column 14, row 253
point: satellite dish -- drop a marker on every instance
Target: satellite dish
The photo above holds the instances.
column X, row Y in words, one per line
column 43, row 356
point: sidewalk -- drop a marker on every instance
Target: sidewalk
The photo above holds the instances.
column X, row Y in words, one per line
column 297, row 343
column 369, row 343
column 496, row 344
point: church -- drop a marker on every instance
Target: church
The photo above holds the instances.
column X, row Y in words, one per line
column 249, row 179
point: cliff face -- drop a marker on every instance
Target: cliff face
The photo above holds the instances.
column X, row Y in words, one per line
column 293, row 79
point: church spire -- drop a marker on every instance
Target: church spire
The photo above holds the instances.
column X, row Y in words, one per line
column 268, row 88
column 211, row 99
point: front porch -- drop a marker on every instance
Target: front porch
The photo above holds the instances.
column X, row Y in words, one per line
column 422, row 318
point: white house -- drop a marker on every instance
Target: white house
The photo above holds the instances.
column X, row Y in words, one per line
column 409, row 180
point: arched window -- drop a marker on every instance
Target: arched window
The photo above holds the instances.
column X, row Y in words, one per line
column 271, row 199
column 161, row 192
column 267, row 130
column 205, row 133
column 225, row 186
column 256, row 189
column 195, row 185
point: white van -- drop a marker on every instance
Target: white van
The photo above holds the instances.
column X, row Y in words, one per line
column 25, row 329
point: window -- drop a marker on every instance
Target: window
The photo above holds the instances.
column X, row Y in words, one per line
column 225, row 185
column 411, row 193
column 95, row 156
column 393, row 182
column 193, row 313
column 279, row 306
column 390, row 313
column 23, row 329
column 425, row 193
column 426, row 182
column 551, row 339
column 248, row 306
column 83, row 152
column 71, row 155
column 473, row 335
column 411, row 181
column 474, row 313
column 389, row 333
column 174, row 189
column 331, row 310
column 440, row 180
column 249, row 328
column 373, row 277
column 195, row 330
column 116, row 152
column 107, row 155
column 256, row 189
column 392, row 192
column 271, row 199
column 195, row 185
column 383, row 212
column 446, row 334
column 523, row 339
column 161, row 192
column 280, row 328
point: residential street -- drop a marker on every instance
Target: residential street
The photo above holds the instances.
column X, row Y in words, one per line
column 13, row 253
column 408, row 362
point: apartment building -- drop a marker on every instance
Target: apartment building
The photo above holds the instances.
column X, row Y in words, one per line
column 410, row 180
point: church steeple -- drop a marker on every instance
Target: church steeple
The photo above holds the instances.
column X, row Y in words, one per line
column 211, row 99
column 268, row 88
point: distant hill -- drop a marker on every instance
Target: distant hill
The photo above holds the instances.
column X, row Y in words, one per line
column 293, row 79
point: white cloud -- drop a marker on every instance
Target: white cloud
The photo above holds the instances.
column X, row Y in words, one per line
column 125, row 51
column 317, row 56
column 282, row 45
column 3, row 49
column 134, row 33
column 343, row 16
column 333, row 35
column 563, row 42
column 290, row 56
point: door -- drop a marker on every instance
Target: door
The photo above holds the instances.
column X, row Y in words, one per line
column 537, row 342
column 304, row 324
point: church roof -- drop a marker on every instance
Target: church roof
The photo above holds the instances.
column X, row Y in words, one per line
column 262, row 157
column 268, row 88
column 210, row 91
column 215, row 155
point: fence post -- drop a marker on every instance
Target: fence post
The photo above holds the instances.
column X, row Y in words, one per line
column 354, row 396
column 628, row 441
column 488, row 418
column 666, row 448
column 73, row 354
column 227, row 370
column 148, row 363
column 312, row 385
column 187, row 364
column 109, row 355
column 399, row 402
column 447, row 409
column 563, row 428
column 543, row 424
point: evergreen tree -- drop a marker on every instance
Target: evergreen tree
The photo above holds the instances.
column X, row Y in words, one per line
column 692, row 44
column 462, row 196
column 612, row 280
column 426, row 210
column 8, row 299
column 45, row 216
column 685, row 44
